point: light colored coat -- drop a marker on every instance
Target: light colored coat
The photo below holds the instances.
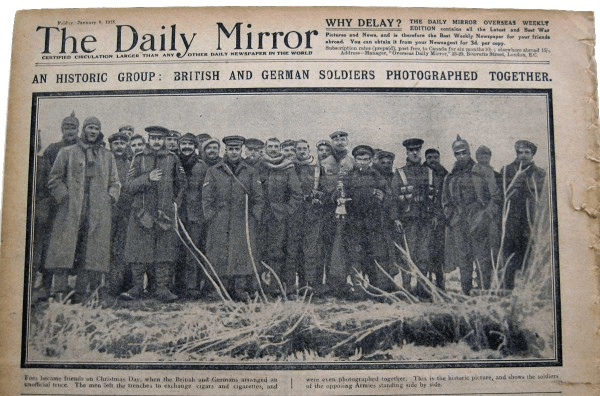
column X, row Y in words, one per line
column 66, row 184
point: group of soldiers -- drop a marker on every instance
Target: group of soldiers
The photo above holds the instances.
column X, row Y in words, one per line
column 141, row 217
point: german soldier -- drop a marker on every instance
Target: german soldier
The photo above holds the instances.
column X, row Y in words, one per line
column 470, row 205
column 156, row 180
column 85, row 184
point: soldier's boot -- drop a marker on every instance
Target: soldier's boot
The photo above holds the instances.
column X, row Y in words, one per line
column 163, row 280
column 137, row 278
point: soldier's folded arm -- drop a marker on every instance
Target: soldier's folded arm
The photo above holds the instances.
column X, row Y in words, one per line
column 137, row 181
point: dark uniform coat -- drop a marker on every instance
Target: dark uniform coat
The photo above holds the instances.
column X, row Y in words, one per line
column 67, row 182
column 523, row 193
column 470, row 201
column 414, row 189
column 224, row 203
column 153, row 245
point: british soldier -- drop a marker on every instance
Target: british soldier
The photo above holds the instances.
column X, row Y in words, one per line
column 85, row 184
column 188, row 277
column 414, row 190
column 200, row 139
column 137, row 144
column 366, row 190
column 432, row 160
column 232, row 200
column 120, row 275
column 385, row 167
column 282, row 196
column 210, row 149
column 304, row 225
column 172, row 141
column 335, row 169
column 155, row 181
column 129, row 130
column 470, row 203
column 254, row 151
column 522, row 186
column 324, row 149
column 288, row 149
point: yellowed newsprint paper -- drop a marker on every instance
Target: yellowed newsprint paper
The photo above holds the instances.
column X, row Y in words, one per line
column 291, row 201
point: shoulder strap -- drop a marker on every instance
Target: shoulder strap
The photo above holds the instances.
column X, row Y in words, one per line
column 402, row 176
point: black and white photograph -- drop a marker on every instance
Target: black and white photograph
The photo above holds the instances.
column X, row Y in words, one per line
column 292, row 228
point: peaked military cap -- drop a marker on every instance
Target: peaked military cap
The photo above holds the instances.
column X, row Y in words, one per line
column 189, row 137
column 288, row 142
column 386, row 154
column 157, row 130
column 413, row 143
column 361, row 150
column 431, row 151
column 234, row 140
column 174, row 134
column 126, row 128
column 71, row 120
column 526, row 144
column 118, row 136
column 254, row 143
column 338, row 134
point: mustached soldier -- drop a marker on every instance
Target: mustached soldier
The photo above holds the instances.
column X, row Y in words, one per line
column 85, row 184
column 470, row 201
column 414, row 187
column 156, row 180
column 232, row 219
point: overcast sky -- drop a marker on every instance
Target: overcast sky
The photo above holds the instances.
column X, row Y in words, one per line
column 382, row 120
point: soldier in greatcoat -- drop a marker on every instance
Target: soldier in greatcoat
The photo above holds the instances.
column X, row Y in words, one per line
column 232, row 199
column 432, row 160
column 120, row 275
column 155, row 181
column 523, row 184
column 414, row 186
column 254, row 151
column 282, row 196
column 189, row 277
column 210, row 152
column 172, row 141
column 470, row 204
column 366, row 190
column 303, row 257
column 84, row 181
column 385, row 166
column 137, row 143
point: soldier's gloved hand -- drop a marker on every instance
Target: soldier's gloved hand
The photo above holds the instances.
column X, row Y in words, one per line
column 378, row 193
column 156, row 175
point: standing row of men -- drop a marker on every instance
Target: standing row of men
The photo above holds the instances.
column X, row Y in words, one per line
column 277, row 216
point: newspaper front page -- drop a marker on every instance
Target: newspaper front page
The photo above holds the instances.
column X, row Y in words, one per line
column 286, row 201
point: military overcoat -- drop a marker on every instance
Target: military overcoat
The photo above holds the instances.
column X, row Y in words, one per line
column 153, row 244
column 224, row 203
column 66, row 184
